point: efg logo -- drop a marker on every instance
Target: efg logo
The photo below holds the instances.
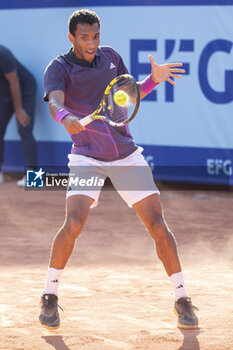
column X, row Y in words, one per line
column 219, row 166
column 35, row 178
column 187, row 46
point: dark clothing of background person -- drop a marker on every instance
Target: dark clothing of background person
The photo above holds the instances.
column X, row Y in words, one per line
column 17, row 96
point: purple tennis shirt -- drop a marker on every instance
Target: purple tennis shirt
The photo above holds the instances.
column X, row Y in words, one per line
column 83, row 84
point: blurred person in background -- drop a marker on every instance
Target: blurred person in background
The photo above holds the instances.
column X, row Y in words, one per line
column 17, row 97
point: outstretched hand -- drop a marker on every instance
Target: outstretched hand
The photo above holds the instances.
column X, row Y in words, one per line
column 164, row 72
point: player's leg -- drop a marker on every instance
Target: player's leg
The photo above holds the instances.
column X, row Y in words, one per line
column 150, row 212
column 77, row 210
column 80, row 198
column 136, row 175
column 142, row 194
column 79, row 201
column 6, row 112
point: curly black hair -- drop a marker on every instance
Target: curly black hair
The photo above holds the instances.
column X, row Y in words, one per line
column 82, row 16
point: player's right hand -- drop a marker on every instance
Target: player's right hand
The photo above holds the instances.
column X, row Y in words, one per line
column 72, row 124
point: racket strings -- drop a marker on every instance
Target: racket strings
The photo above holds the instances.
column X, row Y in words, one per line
column 120, row 114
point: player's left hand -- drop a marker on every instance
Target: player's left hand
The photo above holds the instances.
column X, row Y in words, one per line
column 164, row 72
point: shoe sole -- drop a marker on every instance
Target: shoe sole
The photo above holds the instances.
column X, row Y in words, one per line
column 179, row 325
column 50, row 328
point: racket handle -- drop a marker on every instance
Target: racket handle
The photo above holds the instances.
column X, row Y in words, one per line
column 86, row 120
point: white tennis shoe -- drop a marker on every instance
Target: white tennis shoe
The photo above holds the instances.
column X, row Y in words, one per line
column 22, row 182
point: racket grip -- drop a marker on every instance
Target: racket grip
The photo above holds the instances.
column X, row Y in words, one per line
column 86, row 120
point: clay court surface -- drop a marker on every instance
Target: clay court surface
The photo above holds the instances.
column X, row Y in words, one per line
column 114, row 291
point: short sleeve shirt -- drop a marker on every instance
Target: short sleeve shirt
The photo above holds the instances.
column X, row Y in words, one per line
column 8, row 64
column 83, row 85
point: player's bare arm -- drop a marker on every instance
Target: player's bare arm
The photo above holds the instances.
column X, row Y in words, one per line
column 20, row 114
column 163, row 72
column 70, row 122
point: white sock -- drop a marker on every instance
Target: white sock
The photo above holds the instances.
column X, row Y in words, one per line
column 177, row 280
column 52, row 281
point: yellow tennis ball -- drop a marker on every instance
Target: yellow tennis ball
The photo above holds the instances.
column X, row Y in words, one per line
column 120, row 98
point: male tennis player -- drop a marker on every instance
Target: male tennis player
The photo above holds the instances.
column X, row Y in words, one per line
column 74, row 86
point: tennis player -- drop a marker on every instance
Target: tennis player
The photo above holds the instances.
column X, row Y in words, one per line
column 74, row 86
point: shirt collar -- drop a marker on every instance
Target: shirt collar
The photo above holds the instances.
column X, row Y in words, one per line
column 71, row 56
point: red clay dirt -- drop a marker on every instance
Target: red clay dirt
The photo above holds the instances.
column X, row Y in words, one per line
column 114, row 291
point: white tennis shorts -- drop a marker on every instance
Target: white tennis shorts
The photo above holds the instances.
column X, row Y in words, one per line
column 131, row 177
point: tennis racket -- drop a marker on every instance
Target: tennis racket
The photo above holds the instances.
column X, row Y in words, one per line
column 119, row 104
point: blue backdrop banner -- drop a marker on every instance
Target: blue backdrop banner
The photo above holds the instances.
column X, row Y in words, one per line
column 186, row 130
